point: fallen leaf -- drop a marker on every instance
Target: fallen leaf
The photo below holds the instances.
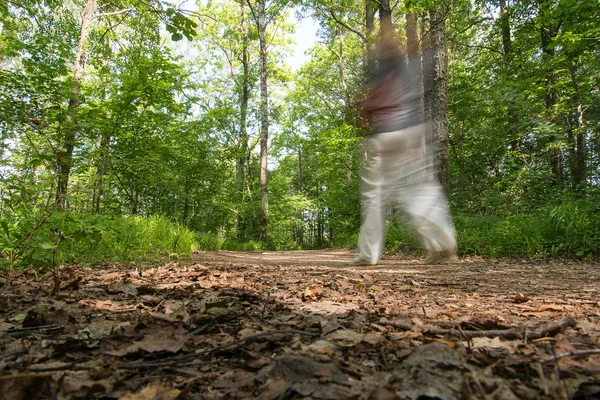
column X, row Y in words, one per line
column 483, row 342
column 520, row 298
column 154, row 392
column 153, row 343
column 345, row 337
column 312, row 294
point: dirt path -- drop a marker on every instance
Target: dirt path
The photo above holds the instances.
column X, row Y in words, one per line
column 306, row 324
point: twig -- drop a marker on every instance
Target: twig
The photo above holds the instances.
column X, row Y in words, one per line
column 513, row 333
column 64, row 367
column 342, row 23
column 108, row 14
column 201, row 329
column 72, row 284
column 552, row 330
column 466, row 338
column 30, row 328
column 573, row 353
column 540, row 370
column 384, row 359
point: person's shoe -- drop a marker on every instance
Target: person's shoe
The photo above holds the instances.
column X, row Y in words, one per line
column 361, row 261
column 438, row 257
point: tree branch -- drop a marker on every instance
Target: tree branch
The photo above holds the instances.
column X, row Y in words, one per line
column 342, row 23
column 108, row 14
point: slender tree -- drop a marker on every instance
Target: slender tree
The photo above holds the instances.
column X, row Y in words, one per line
column 65, row 153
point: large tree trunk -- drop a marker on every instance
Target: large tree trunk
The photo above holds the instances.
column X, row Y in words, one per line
column 513, row 120
column 435, row 77
column 385, row 18
column 65, row 154
column 264, row 118
column 548, row 33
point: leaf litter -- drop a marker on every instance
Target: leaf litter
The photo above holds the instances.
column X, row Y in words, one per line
column 305, row 325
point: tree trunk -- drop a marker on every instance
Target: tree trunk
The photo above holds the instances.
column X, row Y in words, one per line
column 243, row 152
column 264, row 118
column 435, row 77
column 370, row 28
column 348, row 106
column 578, row 166
column 101, row 170
column 65, row 154
column 412, row 48
column 385, row 18
column 547, row 35
column 512, row 118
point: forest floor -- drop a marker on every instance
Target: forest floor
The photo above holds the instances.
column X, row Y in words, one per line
column 304, row 324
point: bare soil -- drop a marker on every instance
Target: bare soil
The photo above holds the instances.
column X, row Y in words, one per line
column 304, row 324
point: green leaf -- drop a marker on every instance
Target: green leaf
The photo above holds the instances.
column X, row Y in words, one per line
column 4, row 225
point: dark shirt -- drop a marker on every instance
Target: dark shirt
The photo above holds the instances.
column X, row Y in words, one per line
column 394, row 100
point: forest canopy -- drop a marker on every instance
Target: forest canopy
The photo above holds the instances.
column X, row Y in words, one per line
column 134, row 130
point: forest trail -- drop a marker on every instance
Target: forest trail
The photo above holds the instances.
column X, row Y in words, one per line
column 306, row 324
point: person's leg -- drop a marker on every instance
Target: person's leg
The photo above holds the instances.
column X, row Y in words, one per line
column 422, row 196
column 371, row 239
column 428, row 205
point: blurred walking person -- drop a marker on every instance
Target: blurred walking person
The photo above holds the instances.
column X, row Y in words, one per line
column 401, row 164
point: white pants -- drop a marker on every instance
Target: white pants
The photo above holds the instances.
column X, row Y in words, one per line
column 398, row 168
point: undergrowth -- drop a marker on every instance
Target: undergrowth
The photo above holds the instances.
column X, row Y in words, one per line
column 39, row 238
column 566, row 230
column 43, row 238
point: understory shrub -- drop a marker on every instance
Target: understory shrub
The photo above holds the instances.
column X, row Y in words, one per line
column 571, row 229
column 41, row 238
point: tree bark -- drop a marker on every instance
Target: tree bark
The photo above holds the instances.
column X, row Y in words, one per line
column 512, row 118
column 264, row 118
column 548, row 33
column 578, row 166
column 101, row 170
column 370, row 28
column 435, row 81
column 385, row 18
column 412, row 49
column 65, row 154
column 243, row 152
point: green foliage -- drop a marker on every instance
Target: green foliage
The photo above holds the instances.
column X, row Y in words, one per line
column 208, row 241
column 568, row 229
column 69, row 238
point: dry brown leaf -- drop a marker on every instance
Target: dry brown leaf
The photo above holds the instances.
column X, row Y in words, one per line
column 520, row 298
column 154, row 392
column 80, row 383
column 152, row 343
column 312, row 294
column 345, row 337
